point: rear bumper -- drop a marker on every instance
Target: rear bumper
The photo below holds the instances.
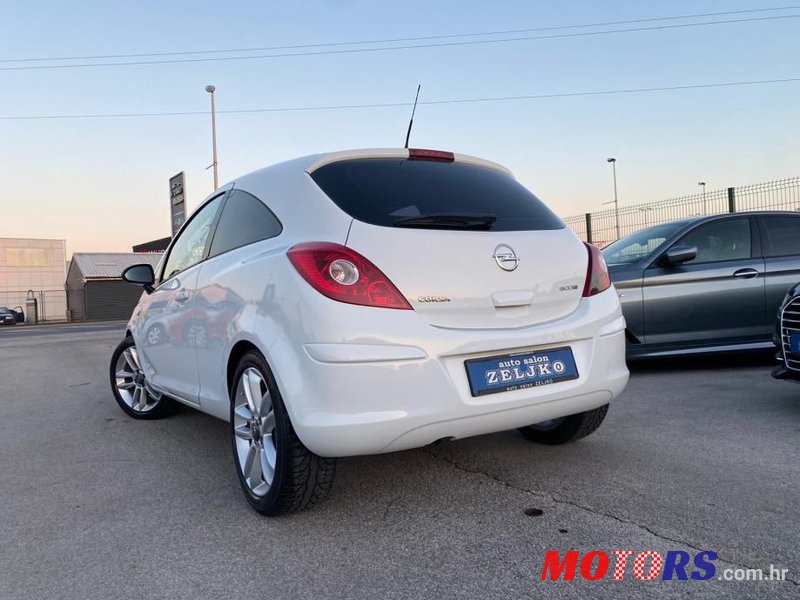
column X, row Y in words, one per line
column 353, row 397
column 419, row 419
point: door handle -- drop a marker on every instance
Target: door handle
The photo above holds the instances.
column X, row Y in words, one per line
column 182, row 296
column 745, row 273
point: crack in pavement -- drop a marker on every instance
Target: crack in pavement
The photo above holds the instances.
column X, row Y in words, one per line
column 589, row 509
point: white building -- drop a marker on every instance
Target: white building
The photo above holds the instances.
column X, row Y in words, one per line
column 38, row 267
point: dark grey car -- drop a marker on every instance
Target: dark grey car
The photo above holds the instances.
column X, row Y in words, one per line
column 705, row 284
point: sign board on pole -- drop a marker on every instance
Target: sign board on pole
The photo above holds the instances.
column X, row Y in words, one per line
column 177, row 201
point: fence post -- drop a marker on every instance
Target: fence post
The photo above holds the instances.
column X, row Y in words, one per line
column 589, row 227
column 731, row 199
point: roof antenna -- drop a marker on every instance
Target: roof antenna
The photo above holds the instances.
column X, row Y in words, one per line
column 413, row 112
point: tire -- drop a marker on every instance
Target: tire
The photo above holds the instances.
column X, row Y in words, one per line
column 278, row 474
column 129, row 385
column 566, row 429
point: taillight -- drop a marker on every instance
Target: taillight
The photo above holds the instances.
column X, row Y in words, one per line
column 343, row 274
column 597, row 277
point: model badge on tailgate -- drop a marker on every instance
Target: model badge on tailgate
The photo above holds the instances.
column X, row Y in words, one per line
column 433, row 299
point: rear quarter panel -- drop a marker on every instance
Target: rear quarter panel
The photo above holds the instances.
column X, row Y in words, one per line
column 241, row 287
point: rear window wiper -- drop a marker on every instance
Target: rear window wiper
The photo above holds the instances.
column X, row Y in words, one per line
column 448, row 221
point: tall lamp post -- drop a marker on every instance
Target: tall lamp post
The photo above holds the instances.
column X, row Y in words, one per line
column 211, row 89
column 702, row 184
column 613, row 162
column 646, row 210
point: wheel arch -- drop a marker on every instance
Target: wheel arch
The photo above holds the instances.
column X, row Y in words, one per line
column 238, row 350
column 247, row 344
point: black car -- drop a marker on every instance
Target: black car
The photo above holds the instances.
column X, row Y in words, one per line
column 8, row 316
column 787, row 337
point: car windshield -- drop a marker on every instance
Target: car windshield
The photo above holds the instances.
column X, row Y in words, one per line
column 640, row 245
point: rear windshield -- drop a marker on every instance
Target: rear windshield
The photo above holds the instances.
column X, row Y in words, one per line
column 383, row 191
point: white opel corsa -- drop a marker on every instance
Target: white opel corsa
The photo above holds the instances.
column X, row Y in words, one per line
column 370, row 301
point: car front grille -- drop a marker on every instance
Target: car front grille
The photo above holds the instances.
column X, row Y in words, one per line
column 790, row 323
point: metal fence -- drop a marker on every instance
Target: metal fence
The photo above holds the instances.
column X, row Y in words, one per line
column 600, row 228
column 52, row 304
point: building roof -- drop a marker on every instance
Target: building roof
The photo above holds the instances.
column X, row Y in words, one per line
column 159, row 245
column 109, row 265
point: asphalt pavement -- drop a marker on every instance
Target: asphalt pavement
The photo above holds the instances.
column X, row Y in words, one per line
column 695, row 455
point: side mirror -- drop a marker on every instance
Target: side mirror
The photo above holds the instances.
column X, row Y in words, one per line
column 680, row 254
column 141, row 275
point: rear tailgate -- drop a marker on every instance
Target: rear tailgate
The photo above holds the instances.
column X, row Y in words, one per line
column 452, row 279
column 462, row 240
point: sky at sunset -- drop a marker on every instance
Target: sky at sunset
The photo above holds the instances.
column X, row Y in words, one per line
column 101, row 183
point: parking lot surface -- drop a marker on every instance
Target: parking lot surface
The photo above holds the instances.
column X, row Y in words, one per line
column 695, row 455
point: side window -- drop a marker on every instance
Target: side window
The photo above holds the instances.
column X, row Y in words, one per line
column 244, row 220
column 718, row 241
column 188, row 249
column 781, row 236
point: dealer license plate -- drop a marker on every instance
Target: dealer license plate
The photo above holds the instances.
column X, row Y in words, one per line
column 519, row 371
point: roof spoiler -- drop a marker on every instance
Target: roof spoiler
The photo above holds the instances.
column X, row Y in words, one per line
column 415, row 153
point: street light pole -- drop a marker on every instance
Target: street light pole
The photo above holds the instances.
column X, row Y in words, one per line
column 702, row 184
column 613, row 162
column 645, row 210
column 211, row 89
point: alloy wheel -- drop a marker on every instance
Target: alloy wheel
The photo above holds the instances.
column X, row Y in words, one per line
column 132, row 384
column 254, row 428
